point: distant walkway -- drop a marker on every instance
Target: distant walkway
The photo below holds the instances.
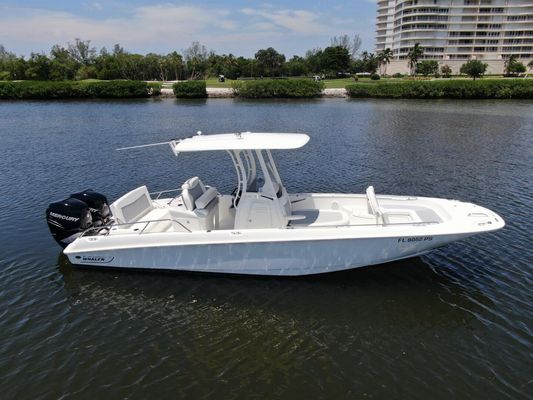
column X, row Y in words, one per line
column 228, row 93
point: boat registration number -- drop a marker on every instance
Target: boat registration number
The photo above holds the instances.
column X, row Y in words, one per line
column 415, row 239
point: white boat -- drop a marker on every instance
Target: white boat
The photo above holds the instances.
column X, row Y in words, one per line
column 259, row 229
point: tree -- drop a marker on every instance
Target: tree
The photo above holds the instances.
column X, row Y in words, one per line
column 474, row 68
column 513, row 66
column 86, row 72
column 107, row 66
column 369, row 63
column 446, row 71
column 4, row 54
column 384, row 58
column 413, row 56
column 530, row 66
column 11, row 66
column 82, row 52
column 196, row 60
column 118, row 49
column 313, row 59
column 130, row 65
column 38, row 67
column 508, row 62
column 427, row 67
column 516, row 68
column 246, row 66
column 173, row 66
column 62, row 65
column 352, row 44
column 270, row 61
column 152, row 67
column 335, row 59
column 296, row 66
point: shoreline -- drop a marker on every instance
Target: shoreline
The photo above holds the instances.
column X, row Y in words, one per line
column 228, row 93
column 415, row 89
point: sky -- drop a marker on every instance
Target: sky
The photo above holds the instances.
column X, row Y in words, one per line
column 225, row 26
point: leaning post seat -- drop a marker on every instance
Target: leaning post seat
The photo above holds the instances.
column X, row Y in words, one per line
column 192, row 190
column 205, row 199
column 203, row 202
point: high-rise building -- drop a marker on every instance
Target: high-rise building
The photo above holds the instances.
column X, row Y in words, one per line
column 454, row 31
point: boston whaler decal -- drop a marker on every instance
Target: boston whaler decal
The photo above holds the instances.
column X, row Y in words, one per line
column 415, row 239
column 95, row 259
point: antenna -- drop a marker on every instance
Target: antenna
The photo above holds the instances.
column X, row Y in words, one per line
column 143, row 145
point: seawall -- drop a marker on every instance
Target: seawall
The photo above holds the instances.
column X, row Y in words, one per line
column 228, row 93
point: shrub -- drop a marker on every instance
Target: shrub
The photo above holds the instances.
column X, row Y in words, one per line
column 266, row 88
column 112, row 89
column 190, row 89
column 457, row 89
column 417, row 78
column 427, row 67
column 516, row 68
column 86, row 72
column 397, row 75
column 446, row 71
column 154, row 88
column 375, row 77
column 73, row 89
column 474, row 68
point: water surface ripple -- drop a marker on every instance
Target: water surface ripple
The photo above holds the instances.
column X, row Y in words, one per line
column 456, row 323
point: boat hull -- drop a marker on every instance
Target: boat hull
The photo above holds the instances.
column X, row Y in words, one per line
column 281, row 258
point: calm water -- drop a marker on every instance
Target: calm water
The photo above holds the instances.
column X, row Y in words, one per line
column 454, row 324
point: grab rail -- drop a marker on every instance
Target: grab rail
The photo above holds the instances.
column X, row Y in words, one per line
column 108, row 228
column 416, row 223
column 170, row 191
column 164, row 191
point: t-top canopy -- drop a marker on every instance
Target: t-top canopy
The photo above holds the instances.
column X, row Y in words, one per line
column 240, row 141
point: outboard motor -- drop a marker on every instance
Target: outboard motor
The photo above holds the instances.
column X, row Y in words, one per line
column 98, row 205
column 67, row 220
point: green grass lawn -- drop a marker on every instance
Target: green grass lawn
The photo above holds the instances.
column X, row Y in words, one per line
column 341, row 83
column 214, row 83
column 329, row 83
column 337, row 83
column 210, row 83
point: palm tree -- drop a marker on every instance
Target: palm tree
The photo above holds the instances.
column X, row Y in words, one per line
column 530, row 66
column 370, row 62
column 413, row 56
column 384, row 58
column 509, row 62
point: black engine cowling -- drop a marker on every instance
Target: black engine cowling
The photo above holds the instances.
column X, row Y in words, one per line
column 69, row 218
column 97, row 203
